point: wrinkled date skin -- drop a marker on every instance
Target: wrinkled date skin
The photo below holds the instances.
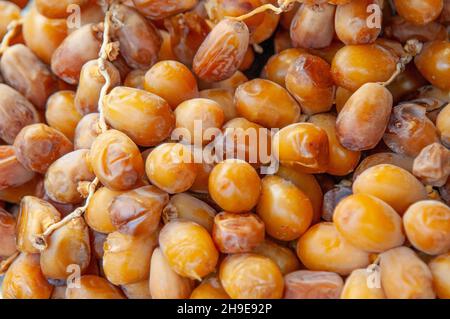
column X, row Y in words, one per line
column 160, row 9
column 310, row 81
column 222, row 52
column 12, row 173
column 16, row 112
column 35, row 216
column 351, row 22
column 139, row 39
column 38, row 146
column 187, row 32
column 91, row 83
column 24, row 279
column 22, row 70
column 312, row 27
column 68, row 245
column 304, row 284
column 402, row 30
column 78, row 48
column 409, row 130
column 86, row 131
column 7, row 234
column 126, row 258
column 303, row 145
column 65, row 174
column 116, row 161
column 237, row 233
column 361, row 123
column 138, row 211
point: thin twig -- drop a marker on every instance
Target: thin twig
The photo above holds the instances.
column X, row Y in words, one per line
column 412, row 48
column 11, row 30
column 103, row 57
column 283, row 6
column 40, row 241
column 398, row 69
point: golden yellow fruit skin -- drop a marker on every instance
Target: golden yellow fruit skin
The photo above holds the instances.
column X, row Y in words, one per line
column 266, row 103
column 363, row 119
column 251, row 276
column 251, row 142
column 58, row 9
column 210, row 288
column 94, row 287
column 341, row 160
column 224, row 97
column 201, row 180
column 116, row 161
column 419, row 12
column 277, row 66
column 342, row 96
column 392, row 184
column 145, row 117
column 404, row 275
column 323, row 248
column 97, row 213
column 443, row 125
column 191, row 112
column 24, row 279
column 7, row 234
column 64, row 176
column 68, row 245
column 427, row 225
column 61, row 113
column 284, row 257
column 35, row 216
column 185, row 206
column 138, row 290
column 433, row 63
column 237, row 233
column 138, row 212
column 309, row 80
column 86, row 131
column 135, row 79
column 172, row 81
column 90, row 86
column 188, row 248
column 304, row 145
column 164, row 282
column 126, row 258
column 9, row 12
column 15, row 194
column 171, row 167
column 286, row 211
column 351, row 68
column 440, row 268
column 308, row 184
column 368, row 223
column 356, row 287
column 402, row 161
column 235, row 186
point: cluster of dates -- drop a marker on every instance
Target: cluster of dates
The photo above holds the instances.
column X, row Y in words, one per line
column 364, row 155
